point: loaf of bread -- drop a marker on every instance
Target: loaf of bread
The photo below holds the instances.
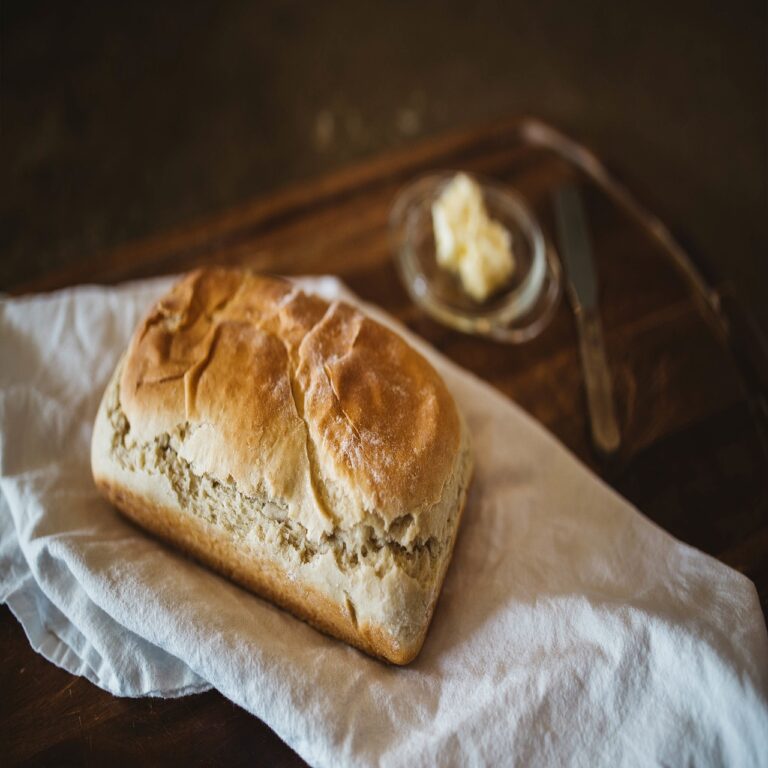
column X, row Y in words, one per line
column 296, row 446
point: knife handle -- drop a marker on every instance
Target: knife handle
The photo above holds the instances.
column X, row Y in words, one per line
column 597, row 380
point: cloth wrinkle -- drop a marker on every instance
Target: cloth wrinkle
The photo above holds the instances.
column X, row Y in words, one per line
column 570, row 630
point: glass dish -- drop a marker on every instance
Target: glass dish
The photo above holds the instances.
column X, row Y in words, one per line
column 520, row 309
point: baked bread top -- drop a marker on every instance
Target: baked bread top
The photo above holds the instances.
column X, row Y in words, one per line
column 308, row 403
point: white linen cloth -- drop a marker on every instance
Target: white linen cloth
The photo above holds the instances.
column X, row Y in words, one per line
column 571, row 629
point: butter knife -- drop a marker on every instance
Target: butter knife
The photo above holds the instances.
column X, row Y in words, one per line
column 576, row 253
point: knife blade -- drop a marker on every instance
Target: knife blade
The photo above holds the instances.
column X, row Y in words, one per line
column 576, row 254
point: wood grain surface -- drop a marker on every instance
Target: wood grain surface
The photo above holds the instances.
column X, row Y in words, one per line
column 693, row 456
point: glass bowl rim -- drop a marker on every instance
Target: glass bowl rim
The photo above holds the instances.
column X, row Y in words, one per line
column 518, row 301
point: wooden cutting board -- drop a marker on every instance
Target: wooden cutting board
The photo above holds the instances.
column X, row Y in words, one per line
column 689, row 378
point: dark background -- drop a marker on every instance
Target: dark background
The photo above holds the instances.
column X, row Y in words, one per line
column 119, row 120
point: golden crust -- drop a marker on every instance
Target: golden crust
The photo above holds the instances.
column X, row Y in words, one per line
column 313, row 414
column 315, row 404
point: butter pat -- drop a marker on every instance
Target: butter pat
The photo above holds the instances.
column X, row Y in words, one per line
column 469, row 243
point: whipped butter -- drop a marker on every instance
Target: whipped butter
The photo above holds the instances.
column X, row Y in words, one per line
column 469, row 243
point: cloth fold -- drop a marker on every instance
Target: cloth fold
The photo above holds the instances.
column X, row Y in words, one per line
column 571, row 629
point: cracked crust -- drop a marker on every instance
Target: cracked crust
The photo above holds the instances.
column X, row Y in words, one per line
column 312, row 403
column 247, row 385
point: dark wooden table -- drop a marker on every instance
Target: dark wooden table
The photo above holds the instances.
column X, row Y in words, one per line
column 689, row 380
